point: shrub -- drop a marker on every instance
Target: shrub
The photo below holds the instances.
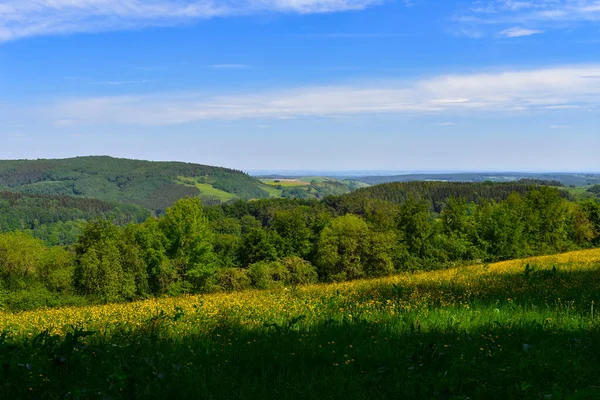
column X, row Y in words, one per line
column 268, row 275
column 233, row 279
column 301, row 272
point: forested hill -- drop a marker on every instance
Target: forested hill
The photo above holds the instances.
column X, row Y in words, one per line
column 154, row 185
column 566, row 179
column 58, row 219
column 435, row 192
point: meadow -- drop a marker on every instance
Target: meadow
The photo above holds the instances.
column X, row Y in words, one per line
column 285, row 182
column 522, row 329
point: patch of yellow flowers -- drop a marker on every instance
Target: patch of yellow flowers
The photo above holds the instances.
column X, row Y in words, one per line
column 366, row 299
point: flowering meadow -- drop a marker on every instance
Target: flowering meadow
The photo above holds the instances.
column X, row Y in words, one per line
column 516, row 329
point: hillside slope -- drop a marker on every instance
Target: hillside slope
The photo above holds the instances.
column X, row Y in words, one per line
column 511, row 330
column 576, row 179
column 57, row 219
column 154, row 185
column 435, row 192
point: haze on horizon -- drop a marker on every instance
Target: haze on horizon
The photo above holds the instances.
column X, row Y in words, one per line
column 310, row 85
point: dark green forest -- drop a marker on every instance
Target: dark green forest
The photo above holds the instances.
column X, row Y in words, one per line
column 154, row 185
column 566, row 179
column 266, row 243
column 57, row 220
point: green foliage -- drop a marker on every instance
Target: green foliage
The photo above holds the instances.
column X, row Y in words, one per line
column 190, row 243
column 271, row 243
column 155, row 185
column 268, row 274
column 19, row 257
column 594, row 189
column 99, row 271
column 437, row 193
column 342, row 247
column 301, row 272
column 458, row 335
column 291, row 226
column 259, row 245
column 233, row 279
column 57, row 219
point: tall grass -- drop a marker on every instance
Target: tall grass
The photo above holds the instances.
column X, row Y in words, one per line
column 523, row 329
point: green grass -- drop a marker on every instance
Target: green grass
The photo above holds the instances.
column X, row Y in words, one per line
column 272, row 190
column 285, row 183
column 309, row 179
column 207, row 190
column 521, row 330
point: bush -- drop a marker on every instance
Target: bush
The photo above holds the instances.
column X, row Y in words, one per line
column 37, row 297
column 233, row 279
column 301, row 272
column 268, row 275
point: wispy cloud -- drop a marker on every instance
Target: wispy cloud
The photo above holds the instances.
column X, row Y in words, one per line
column 356, row 35
column 230, row 66
column 118, row 83
column 531, row 90
column 560, row 126
column 26, row 18
column 519, row 32
column 530, row 15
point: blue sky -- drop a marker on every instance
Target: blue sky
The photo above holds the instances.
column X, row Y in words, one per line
column 403, row 85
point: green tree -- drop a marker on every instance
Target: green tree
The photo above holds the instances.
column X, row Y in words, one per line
column 259, row 245
column 592, row 212
column 291, row 226
column 545, row 220
column 342, row 247
column 56, row 269
column 19, row 257
column 415, row 232
column 152, row 242
column 500, row 229
column 190, row 243
column 99, row 270
column 301, row 272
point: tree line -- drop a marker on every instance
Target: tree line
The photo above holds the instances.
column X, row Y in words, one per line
column 272, row 243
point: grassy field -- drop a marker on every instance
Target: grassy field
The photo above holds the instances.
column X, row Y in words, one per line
column 286, row 183
column 207, row 190
column 524, row 329
column 580, row 191
column 273, row 192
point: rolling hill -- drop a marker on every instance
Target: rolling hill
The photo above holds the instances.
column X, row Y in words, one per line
column 57, row 219
column 153, row 185
column 567, row 179
column 434, row 191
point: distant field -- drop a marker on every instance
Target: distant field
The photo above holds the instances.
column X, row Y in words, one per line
column 315, row 178
column 523, row 329
column 273, row 192
column 286, row 182
column 207, row 190
column 580, row 191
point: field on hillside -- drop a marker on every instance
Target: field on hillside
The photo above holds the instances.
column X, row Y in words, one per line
column 285, row 182
column 524, row 329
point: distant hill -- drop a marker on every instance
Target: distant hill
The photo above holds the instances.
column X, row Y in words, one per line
column 57, row 219
column 154, row 185
column 436, row 192
column 566, row 179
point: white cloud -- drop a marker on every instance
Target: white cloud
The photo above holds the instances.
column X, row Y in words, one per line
column 560, row 126
column 230, row 66
column 547, row 14
column 25, row 18
column 520, row 32
column 118, row 83
column 532, row 90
